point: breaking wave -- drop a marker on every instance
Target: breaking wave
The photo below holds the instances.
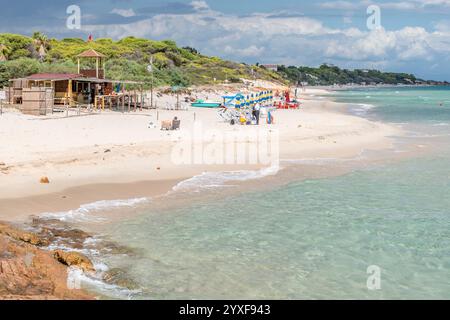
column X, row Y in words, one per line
column 84, row 212
column 220, row 179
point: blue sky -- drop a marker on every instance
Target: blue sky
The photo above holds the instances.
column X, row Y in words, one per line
column 413, row 35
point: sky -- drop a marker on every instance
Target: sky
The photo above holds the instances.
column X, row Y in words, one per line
column 410, row 36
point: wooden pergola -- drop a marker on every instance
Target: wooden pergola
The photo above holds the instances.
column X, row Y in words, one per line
column 99, row 60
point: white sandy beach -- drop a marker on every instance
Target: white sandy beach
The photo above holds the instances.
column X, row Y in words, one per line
column 115, row 156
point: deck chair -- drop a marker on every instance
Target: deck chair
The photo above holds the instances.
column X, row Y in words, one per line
column 176, row 124
column 166, row 125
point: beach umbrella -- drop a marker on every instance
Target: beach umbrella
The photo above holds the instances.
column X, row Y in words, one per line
column 238, row 102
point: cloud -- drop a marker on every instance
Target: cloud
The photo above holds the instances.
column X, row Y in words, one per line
column 282, row 39
column 342, row 5
column 199, row 5
column 127, row 13
column 394, row 5
column 279, row 36
column 251, row 51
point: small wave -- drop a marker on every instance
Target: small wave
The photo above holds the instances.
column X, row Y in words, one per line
column 84, row 212
column 85, row 251
column 323, row 161
column 361, row 108
column 366, row 106
column 209, row 180
column 78, row 277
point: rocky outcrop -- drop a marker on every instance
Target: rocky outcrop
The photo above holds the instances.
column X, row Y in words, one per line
column 27, row 272
column 74, row 259
column 120, row 278
column 20, row 235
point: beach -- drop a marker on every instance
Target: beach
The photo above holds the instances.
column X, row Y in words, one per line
column 57, row 170
column 155, row 228
column 201, row 151
column 110, row 155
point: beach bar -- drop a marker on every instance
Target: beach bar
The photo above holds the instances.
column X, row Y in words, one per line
column 42, row 93
column 61, row 89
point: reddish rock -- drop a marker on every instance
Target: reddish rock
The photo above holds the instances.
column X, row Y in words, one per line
column 74, row 259
column 30, row 273
column 44, row 180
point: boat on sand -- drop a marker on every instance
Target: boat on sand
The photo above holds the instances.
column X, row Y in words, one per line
column 206, row 104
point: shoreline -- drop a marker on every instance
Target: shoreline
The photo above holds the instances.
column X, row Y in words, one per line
column 323, row 128
column 81, row 173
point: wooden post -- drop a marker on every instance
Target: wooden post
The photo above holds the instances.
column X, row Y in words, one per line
column 142, row 99
column 123, row 98
column 151, row 93
column 135, row 100
column 129, row 102
column 1, row 107
column 69, row 92
column 96, row 66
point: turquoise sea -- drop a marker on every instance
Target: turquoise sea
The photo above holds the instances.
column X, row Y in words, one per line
column 313, row 238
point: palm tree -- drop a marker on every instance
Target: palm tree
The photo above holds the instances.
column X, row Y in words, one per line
column 4, row 51
column 42, row 44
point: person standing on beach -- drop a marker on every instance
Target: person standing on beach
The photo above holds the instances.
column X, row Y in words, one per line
column 257, row 112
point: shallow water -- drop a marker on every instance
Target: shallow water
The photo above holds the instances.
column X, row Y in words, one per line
column 311, row 239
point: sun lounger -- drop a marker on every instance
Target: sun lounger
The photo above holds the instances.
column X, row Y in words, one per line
column 170, row 124
column 176, row 124
column 166, row 125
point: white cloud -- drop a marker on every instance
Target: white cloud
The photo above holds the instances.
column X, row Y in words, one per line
column 425, row 3
column 251, row 51
column 343, row 5
column 395, row 5
column 287, row 39
column 199, row 5
column 127, row 13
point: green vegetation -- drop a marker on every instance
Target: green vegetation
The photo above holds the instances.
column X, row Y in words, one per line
column 330, row 75
column 127, row 59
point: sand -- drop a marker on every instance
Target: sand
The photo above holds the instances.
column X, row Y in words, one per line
column 117, row 156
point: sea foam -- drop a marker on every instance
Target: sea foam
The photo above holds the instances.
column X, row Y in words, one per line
column 84, row 212
column 220, row 179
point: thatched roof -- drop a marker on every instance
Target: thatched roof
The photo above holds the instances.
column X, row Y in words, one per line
column 91, row 53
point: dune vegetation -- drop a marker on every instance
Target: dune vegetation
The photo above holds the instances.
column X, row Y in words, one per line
column 127, row 59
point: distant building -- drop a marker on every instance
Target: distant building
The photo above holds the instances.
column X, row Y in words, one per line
column 271, row 67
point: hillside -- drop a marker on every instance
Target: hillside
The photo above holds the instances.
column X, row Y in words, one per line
column 127, row 59
column 330, row 75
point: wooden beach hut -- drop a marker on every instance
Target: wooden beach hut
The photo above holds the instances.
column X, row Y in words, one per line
column 87, row 88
